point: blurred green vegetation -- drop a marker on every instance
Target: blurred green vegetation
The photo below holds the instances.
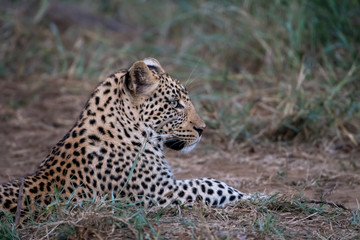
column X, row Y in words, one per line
column 283, row 70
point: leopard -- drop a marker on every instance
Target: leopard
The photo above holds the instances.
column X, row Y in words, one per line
column 117, row 147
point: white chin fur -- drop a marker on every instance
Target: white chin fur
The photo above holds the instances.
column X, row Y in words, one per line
column 190, row 147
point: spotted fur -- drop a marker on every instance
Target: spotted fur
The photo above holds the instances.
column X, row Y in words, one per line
column 116, row 147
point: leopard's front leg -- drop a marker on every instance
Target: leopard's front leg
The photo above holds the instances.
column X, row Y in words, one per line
column 207, row 190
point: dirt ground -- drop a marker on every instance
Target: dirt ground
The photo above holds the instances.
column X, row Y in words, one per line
column 36, row 113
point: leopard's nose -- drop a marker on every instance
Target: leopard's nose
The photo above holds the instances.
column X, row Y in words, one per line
column 199, row 130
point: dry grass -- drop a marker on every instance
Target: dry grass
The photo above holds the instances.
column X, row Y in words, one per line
column 277, row 217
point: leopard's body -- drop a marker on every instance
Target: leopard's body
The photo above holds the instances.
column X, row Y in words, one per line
column 116, row 147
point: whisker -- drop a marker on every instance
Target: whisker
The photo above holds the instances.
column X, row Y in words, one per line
column 193, row 70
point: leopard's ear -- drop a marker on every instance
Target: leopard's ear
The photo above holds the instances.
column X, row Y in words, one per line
column 153, row 63
column 141, row 80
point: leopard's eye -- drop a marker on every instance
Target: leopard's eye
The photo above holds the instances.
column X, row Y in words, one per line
column 174, row 103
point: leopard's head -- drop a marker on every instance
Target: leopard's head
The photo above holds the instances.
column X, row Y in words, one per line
column 164, row 105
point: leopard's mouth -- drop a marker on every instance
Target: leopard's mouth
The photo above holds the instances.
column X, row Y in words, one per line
column 175, row 144
column 180, row 145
